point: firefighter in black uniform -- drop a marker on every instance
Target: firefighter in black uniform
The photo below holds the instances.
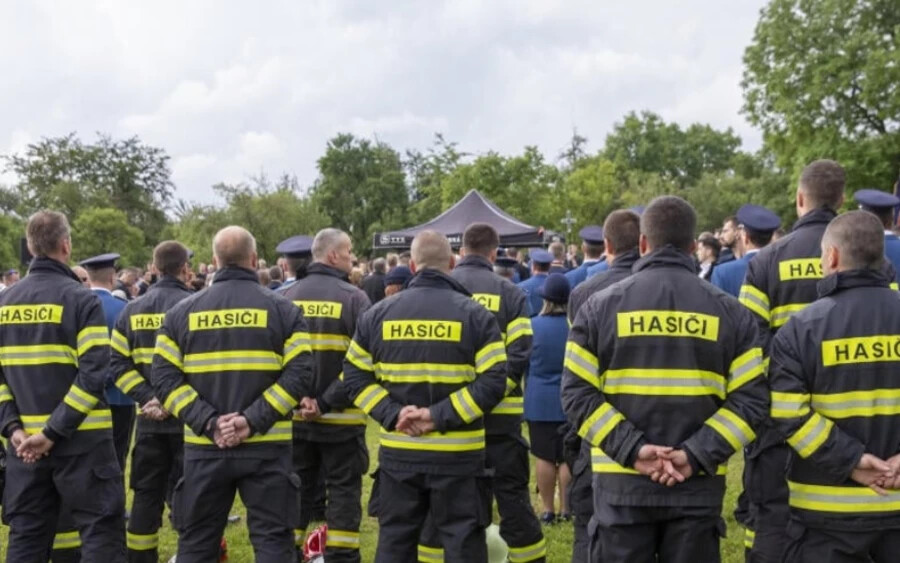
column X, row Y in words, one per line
column 329, row 432
column 157, row 458
column 507, row 450
column 54, row 357
column 427, row 364
column 836, row 399
column 621, row 232
column 781, row 280
column 664, row 378
column 232, row 362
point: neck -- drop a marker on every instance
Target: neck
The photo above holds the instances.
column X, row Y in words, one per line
column 58, row 256
column 101, row 285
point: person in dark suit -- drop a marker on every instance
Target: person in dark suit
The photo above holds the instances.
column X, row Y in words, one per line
column 707, row 255
column 374, row 284
column 755, row 231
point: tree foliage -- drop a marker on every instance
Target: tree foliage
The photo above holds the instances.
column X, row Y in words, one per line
column 101, row 230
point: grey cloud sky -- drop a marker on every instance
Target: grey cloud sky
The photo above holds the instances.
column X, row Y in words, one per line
column 232, row 88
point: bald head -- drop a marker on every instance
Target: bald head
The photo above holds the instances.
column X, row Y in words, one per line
column 431, row 249
column 235, row 246
column 82, row 275
column 853, row 241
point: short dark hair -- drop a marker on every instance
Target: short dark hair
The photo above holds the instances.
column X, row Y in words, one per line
column 759, row 238
column 623, row 230
column 45, row 232
column 275, row 273
column 593, row 249
column 709, row 240
column 169, row 257
column 480, row 238
column 730, row 219
column 539, row 267
column 297, row 266
column 669, row 220
column 859, row 236
column 823, row 182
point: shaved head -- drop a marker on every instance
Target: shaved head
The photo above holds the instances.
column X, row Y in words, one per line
column 858, row 237
column 235, row 246
column 431, row 249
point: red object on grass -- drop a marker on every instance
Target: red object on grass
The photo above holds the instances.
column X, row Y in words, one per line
column 315, row 542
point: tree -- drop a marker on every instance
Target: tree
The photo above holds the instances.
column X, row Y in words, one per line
column 11, row 232
column 102, row 230
column 591, row 191
column 361, row 187
column 425, row 172
column 822, row 80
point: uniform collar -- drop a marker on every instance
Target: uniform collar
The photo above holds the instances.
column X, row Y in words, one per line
column 168, row 281
column 230, row 273
column 626, row 261
column 436, row 279
column 750, row 253
column 325, row 270
column 101, row 290
column 815, row 217
column 852, row 279
column 668, row 256
column 475, row 261
column 49, row 265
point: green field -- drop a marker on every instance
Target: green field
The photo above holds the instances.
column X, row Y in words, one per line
column 559, row 536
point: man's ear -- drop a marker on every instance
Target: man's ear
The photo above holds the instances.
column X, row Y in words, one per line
column 643, row 245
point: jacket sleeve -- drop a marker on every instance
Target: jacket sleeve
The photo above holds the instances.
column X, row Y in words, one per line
column 745, row 407
column 167, row 377
column 9, row 413
column 92, row 350
column 335, row 396
column 754, row 296
column 122, row 365
column 812, row 435
column 518, row 338
column 359, row 378
column 597, row 421
column 472, row 401
column 295, row 381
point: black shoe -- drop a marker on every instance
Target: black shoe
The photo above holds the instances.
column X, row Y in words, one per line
column 548, row 518
column 565, row 516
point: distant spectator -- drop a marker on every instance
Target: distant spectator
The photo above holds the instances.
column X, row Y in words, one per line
column 262, row 264
column 393, row 260
column 707, row 254
column 405, row 258
column 83, row 276
column 522, row 271
column 10, row 277
column 396, row 279
column 263, row 276
column 374, row 284
column 276, row 276
column 558, row 251
column 356, row 276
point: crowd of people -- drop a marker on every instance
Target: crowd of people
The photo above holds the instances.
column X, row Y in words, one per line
column 640, row 363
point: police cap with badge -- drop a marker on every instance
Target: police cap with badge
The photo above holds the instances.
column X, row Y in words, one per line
column 758, row 219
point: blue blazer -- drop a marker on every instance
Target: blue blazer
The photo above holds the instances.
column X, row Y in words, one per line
column 892, row 250
column 729, row 276
column 579, row 274
column 112, row 306
column 532, row 287
column 595, row 269
column 542, row 383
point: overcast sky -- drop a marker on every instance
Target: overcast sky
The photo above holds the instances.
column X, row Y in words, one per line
column 232, row 88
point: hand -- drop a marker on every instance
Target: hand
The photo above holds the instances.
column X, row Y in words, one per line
column 18, row 436
column 152, row 409
column 224, row 432
column 649, row 461
column 34, row 447
column 874, row 473
column 415, row 421
column 309, row 408
column 677, row 464
column 894, row 483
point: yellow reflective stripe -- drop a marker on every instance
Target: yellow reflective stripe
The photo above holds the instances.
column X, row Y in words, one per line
column 119, row 343
column 489, row 356
column 510, row 405
column 168, row 349
column 142, row 542
column 129, row 380
column 749, row 538
column 826, row 498
column 5, row 393
column 279, row 398
column 510, row 385
column 528, row 553
column 811, row 435
column 425, row 373
column 895, row 286
column 359, row 357
column 100, row 419
column 342, row 538
column 232, row 360
column 744, row 368
column 465, row 406
column 80, row 400
column 659, row 381
column 755, row 300
column 38, row 355
column 90, row 337
column 463, row 441
column 781, row 315
column 299, row 536
column 142, row 355
column 516, row 329
column 329, row 342
column 582, row 363
column 732, row 428
column 297, row 344
column 369, row 398
column 789, row 405
column 430, row 554
column 600, row 423
column 346, row 417
column 66, row 540
column 602, row 463
column 181, row 397
column 874, row 402
column 281, row 431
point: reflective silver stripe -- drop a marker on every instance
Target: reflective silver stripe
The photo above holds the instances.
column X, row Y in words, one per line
column 812, row 435
column 598, row 424
column 76, row 398
column 142, row 355
column 736, row 432
column 747, row 296
column 297, row 344
column 833, row 409
column 487, row 358
column 468, row 372
column 43, row 354
column 286, row 406
column 677, row 382
column 422, row 440
column 359, row 417
column 366, row 361
column 192, row 363
column 753, row 364
column 529, row 553
column 463, row 401
column 176, row 353
column 581, row 362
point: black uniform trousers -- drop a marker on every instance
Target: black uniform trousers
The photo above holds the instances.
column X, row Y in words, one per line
column 204, row 496
column 655, row 534
column 66, row 542
column 90, row 485
column 156, row 460
column 342, row 464
column 581, row 503
column 813, row 545
column 123, row 423
column 459, row 506
column 765, row 484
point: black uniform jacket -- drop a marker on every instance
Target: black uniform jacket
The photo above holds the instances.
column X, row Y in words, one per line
column 618, row 271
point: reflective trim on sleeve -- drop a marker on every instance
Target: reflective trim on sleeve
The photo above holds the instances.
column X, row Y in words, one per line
column 346, row 417
column 510, row 385
column 142, row 542
column 129, row 380
column 359, row 357
column 846, row 500
column 732, row 428
column 873, row 402
column 298, row 343
column 142, row 356
column 659, row 381
column 462, row 441
column 342, row 538
column 99, row 419
column 168, row 349
column 181, row 397
column 510, row 405
column 602, row 463
column 232, row 360
column 745, row 368
column 5, row 393
column 465, row 406
column 789, row 405
column 329, row 342
column 601, row 422
column 811, row 435
column 582, row 363
column 279, row 399
column 749, row 538
column 489, row 356
column 528, row 553
column 428, row 554
column 90, row 337
column 80, row 400
column 781, row 315
column 369, row 398
column 755, row 300
column 38, row 355
column 119, row 343
column 66, row 540
column 425, row 373
column 281, row 431
column 518, row 328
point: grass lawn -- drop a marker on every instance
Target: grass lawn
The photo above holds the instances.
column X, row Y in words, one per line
column 559, row 536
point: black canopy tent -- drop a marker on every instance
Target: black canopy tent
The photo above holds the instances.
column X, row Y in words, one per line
column 472, row 208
